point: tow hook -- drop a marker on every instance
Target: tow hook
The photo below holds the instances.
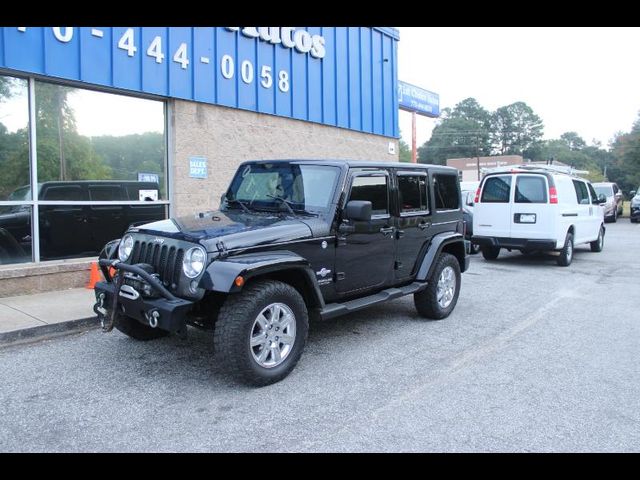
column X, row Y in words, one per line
column 152, row 317
column 99, row 310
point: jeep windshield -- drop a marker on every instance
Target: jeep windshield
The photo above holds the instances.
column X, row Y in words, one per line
column 267, row 186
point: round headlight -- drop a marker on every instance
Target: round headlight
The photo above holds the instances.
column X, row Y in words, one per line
column 125, row 247
column 193, row 263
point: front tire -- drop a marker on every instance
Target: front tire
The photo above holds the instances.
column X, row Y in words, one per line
column 261, row 332
column 566, row 254
column 136, row 330
column 598, row 244
column 439, row 299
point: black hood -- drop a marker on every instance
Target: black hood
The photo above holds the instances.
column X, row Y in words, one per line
column 235, row 229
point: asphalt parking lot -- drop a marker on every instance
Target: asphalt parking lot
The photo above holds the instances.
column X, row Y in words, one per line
column 535, row 357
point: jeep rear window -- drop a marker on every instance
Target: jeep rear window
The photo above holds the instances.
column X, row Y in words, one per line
column 496, row 189
column 531, row 189
column 445, row 191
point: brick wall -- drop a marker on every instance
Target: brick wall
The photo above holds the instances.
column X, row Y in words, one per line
column 227, row 137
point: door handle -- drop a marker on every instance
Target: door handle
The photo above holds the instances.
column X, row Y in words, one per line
column 424, row 225
column 399, row 233
column 387, row 230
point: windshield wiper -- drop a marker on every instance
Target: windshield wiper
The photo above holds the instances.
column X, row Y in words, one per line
column 285, row 202
column 233, row 200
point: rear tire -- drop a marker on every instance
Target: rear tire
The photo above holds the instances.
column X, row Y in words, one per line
column 490, row 253
column 261, row 308
column 136, row 330
column 598, row 244
column 439, row 299
column 566, row 254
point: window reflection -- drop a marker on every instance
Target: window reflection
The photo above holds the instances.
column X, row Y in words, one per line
column 14, row 136
column 15, row 234
column 87, row 135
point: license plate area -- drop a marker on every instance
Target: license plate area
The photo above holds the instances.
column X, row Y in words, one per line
column 524, row 218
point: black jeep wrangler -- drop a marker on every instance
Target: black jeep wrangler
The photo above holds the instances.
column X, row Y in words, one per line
column 293, row 240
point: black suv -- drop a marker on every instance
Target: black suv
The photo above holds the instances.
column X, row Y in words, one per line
column 293, row 240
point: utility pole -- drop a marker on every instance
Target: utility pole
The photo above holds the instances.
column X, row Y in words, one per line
column 414, row 152
column 478, row 157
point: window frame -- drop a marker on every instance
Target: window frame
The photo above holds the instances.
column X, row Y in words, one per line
column 373, row 173
column 35, row 201
column 433, row 188
column 413, row 173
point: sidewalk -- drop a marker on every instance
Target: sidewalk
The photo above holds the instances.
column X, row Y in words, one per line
column 27, row 318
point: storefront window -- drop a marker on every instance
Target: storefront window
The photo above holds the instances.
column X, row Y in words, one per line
column 91, row 147
column 15, row 219
column 87, row 135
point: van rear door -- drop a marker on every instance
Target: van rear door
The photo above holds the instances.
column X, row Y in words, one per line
column 531, row 215
column 492, row 215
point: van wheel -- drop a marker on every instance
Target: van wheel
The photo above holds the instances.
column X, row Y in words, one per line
column 490, row 253
column 261, row 332
column 566, row 254
column 596, row 246
column 136, row 330
column 438, row 300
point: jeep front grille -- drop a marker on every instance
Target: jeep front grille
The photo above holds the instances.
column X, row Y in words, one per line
column 166, row 260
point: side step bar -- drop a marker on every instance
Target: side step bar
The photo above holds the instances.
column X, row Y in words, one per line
column 335, row 309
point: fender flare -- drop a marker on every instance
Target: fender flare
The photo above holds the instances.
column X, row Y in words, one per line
column 220, row 275
column 438, row 242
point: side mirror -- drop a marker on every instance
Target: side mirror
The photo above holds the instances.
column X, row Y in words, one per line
column 602, row 198
column 632, row 193
column 359, row 210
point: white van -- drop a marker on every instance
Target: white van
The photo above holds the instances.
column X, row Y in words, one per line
column 536, row 208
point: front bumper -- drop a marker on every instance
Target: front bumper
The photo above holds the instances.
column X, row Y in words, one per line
column 515, row 243
column 635, row 213
column 166, row 312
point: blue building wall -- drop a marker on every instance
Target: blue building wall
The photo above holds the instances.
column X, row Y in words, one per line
column 348, row 79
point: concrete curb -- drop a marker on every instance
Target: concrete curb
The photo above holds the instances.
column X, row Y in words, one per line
column 42, row 332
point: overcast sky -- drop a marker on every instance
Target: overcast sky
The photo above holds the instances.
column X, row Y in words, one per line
column 585, row 80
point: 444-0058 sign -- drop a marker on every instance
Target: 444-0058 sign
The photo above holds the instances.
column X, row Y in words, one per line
column 342, row 76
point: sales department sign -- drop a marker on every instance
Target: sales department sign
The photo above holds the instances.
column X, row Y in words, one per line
column 341, row 76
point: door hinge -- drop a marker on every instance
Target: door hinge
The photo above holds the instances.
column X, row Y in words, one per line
column 340, row 276
column 397, row 265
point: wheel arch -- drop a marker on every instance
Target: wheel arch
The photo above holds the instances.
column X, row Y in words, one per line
column 284, row 266
column 447, row 242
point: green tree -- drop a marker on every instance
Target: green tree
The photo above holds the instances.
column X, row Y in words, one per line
column 460, row 132
column 625, row 167
column 405, row 151
column 516, row 130
column 573, row 140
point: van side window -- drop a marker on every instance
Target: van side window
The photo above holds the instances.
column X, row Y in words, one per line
column 582, row 194
column 413, row 193
column 445, row 189
column 531, row 189
column 496, row 190
column 373, row 189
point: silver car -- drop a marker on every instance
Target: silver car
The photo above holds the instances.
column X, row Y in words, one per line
column 613, row 203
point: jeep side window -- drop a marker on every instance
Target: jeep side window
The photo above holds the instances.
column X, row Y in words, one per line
column 496, row 190
column 582, row 194
column 412, row 193
column 445, row 189
column 373, row 189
